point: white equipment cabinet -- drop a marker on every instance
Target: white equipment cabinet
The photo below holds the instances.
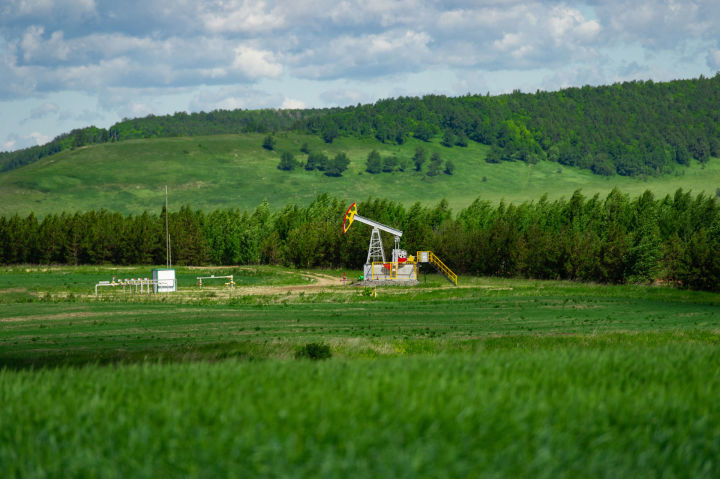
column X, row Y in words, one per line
column 164, row 281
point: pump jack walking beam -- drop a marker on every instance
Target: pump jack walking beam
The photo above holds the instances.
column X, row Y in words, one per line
column 352, row 215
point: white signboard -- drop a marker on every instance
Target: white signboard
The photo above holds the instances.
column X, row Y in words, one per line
column 164, row 280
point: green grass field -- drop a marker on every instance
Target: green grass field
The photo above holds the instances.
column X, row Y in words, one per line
column 496, row 378
column 235, row 171
column 565, row 412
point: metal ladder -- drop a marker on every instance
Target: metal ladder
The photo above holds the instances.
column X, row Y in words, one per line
column 440, row 266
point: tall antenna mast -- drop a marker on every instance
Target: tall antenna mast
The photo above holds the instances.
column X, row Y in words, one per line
column 167, row 232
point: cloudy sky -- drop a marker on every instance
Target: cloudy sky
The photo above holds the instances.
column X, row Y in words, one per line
column 67, row 64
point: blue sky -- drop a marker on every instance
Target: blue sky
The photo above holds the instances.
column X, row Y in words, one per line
column 68, row 64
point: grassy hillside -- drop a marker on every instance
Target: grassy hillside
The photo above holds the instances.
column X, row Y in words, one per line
column 235, row 171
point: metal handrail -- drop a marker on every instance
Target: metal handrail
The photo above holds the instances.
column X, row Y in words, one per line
column 452, row 277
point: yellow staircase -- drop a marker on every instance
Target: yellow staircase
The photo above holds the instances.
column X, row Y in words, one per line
column 430, row 257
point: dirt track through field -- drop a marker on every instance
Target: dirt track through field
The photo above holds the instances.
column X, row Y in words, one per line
column 322, row 281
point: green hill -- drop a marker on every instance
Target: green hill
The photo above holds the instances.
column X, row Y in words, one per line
column 629, row 129
column 235, row 171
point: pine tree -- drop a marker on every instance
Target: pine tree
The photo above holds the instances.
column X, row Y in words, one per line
column 435, row 165
column 337, row 165
column 419, row 158
column 287, row 162
column 449, row 167
column 373, row 164
column 269, row 143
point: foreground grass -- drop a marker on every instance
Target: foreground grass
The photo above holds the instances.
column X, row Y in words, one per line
column 561, row 412
column 235, row 171
column 500, row 377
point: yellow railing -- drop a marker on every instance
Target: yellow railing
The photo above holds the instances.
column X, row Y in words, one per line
column 439, row 265
column 378, row 271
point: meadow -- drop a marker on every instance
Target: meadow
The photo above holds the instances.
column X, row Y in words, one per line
column 498, row 377
column 235, row 171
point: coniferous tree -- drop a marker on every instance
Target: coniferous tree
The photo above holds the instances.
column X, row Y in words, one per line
column 612, row 239
column 373, row 164
column 390, row 164
column 449, row 167
column 337, row 165
column 287, row 162
column 419, row 158
column 435, row 165
column 269, row 143
column 423, row 131
column 316, row 161
column 448, row 138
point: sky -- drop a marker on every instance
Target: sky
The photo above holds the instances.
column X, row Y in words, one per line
column 68, row 64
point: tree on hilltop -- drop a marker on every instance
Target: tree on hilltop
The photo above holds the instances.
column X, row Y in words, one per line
column 287, row 162
column 373, row 163
column 448, row 138
column 316, row 161
column 390, row 164
column 419, row 158
column 449, row 167
column 269, row 143
column 337, row 165
column 435, row 164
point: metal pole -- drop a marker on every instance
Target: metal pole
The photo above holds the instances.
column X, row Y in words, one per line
column 167, row 232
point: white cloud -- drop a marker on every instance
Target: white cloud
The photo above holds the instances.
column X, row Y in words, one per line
column 713, row 59
column 35, row 7
column 32, row 41
column 242, row 16
column 409, row 40
column 136, row 55
column 44, row 110
column 470, row 82
column 256, row 63
column 15, row 141
column 230, row 41
column 9, row 145
column 575, row 76
column 138, row 109
column 565, row 23
column 659, row 24
column 17, row 81
column 94, row 76
column 292, row 104
column 233, row 97
column 509, row 41
column 38, row 137
column 365, row 55
column 344, row 96
column 376, row 12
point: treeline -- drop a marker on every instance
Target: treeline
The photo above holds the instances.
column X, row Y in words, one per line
column 632, row 128
column 376, row 164
column 616, row 239
column 66, row 141
column 180, row 124
column 218, row 122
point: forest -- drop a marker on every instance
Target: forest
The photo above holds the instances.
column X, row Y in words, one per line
column 616, row 239
column 631, row 129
